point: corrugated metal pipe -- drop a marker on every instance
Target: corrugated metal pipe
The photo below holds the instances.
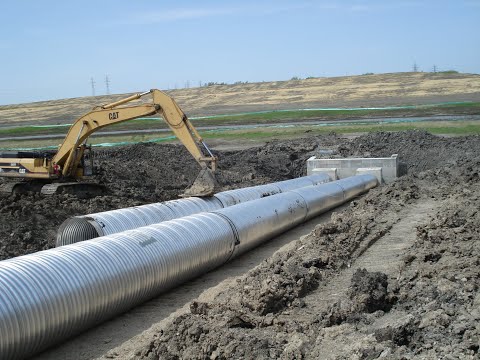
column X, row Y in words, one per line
column 80, row 228
column 51, row 295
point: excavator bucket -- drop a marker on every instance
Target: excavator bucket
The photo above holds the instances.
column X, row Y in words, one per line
column 205, row 184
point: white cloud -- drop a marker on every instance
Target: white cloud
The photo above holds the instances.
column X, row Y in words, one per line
column 177, row 14
column 171, row 15
column 359, row 8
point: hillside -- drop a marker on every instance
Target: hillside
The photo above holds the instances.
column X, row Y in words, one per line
column 347, row 91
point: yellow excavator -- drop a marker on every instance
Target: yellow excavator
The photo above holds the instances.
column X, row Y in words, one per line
column 63, row 170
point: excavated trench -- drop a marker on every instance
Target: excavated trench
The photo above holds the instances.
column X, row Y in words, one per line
column 426, row 308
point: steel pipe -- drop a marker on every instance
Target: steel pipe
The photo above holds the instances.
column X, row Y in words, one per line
column 53, row 294
column 237, row 196
column 258, row 220
column 80, row 228
column 323, row 198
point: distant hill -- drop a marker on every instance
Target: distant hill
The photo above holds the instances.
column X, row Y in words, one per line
column 345, row 91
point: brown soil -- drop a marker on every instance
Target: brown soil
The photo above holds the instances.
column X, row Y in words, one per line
column 423, row 305
column 140, row 174
column 417, row 239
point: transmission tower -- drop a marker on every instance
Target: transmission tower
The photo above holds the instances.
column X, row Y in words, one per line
column 92, row 82
column 434, row 68
column 415, row 67
column 107, row 84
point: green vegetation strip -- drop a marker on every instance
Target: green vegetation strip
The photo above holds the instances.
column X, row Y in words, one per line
column 267, row 117
column 453, row 128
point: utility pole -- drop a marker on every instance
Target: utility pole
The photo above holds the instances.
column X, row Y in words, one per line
column 415, row 67
column 92, row 82
column 107, row 84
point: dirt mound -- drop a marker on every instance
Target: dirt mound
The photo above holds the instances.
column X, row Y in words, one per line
column 439, row 285
column 369, row 291
column 139, row 174
column 262, row 313
column 430, row 309
column 419, row 149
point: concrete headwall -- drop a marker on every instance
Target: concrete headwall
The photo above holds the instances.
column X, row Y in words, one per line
column 385, row 169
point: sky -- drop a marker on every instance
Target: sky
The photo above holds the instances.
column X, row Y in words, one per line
column 52, row 49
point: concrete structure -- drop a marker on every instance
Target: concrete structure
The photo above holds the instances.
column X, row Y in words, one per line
column 385, row 169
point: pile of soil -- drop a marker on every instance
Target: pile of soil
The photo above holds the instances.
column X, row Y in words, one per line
column 430, row 309
column 140, row 174
column 263, row 315
column 146, row 173
column 418, row 149
column 427, row 309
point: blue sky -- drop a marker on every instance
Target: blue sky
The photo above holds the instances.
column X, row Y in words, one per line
column 51, row 49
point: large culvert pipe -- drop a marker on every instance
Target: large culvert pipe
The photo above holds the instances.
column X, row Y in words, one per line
column 53, row 294
column 80, row 228
column 259, row 220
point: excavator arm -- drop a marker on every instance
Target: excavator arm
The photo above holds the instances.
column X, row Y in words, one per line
column 67, row 157
column 66, row 163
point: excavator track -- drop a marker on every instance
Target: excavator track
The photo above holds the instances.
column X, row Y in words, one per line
column 7, row 188
column 81, row 190
column 19, row 187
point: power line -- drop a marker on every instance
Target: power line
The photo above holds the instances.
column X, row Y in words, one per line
column 92, row 82
column 107, row 84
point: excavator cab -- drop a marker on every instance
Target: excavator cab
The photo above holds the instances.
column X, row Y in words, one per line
column 87, row 161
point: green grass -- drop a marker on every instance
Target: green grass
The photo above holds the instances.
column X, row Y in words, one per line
column 440, row 127
column 452, row 128
column 276, row 116
column 462, row 105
